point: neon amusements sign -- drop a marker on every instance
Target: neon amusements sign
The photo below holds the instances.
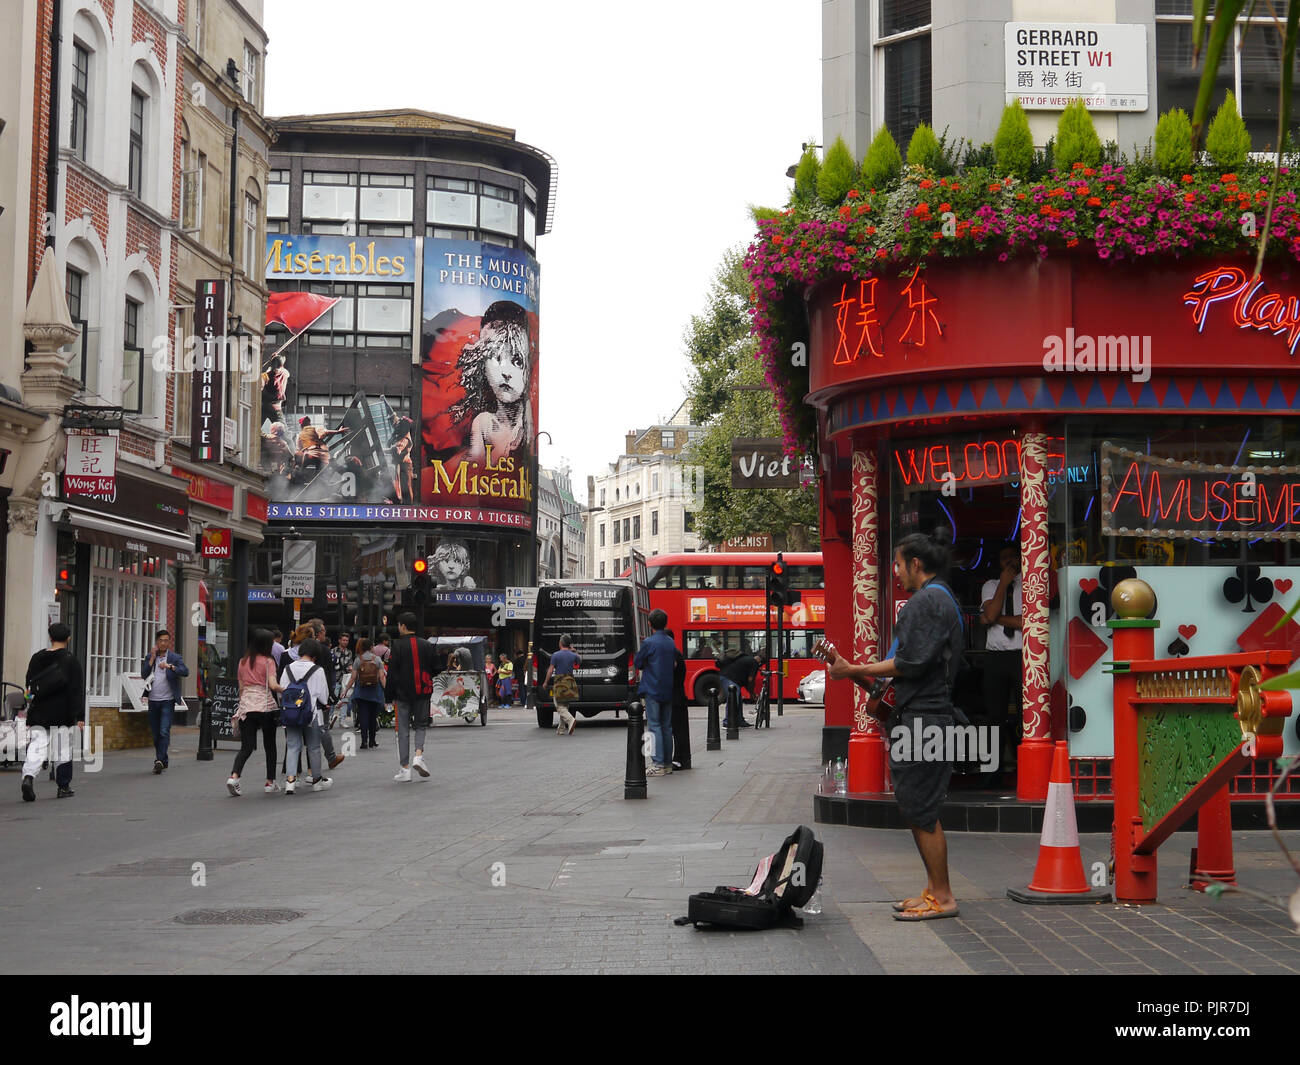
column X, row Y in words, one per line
column 1268, row 311
column 1150, row 496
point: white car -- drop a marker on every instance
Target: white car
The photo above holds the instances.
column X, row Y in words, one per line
column 812, row 689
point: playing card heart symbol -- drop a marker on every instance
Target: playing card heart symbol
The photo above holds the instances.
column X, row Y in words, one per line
column 1283, row 584
column 1088, row 584
column 1186, row 631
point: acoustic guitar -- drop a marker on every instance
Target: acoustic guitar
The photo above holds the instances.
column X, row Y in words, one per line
column 876, row 690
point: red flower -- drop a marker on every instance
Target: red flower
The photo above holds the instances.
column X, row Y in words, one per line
column 1094, row 201
column 1188, row 197
column 1229, row 178
column 853, row 194
column 1187, row 179
column 870, row 230
column 945, row 207
column 926, row 183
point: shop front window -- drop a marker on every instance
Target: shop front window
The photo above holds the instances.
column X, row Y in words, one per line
column 128, row 598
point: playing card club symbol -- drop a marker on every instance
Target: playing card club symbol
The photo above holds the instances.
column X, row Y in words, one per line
column 1097, row 590
column 1248, row 587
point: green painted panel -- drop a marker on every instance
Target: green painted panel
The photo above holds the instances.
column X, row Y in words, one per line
column 1178, row 745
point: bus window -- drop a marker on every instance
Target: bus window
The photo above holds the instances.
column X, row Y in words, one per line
column 753, row 576
column 806, row 577
column 664, row 577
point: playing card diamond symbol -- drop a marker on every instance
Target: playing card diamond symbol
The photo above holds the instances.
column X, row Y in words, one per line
column 1248, row 586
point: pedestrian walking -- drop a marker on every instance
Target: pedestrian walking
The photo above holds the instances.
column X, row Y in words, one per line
column 258, row 709
column 737, row 672
column 366, row 685
column 654, row 659
column 306, row 672
column 277, row 647
column 563, row 684
column 56, row 690
column 505, row 681
column 162, row 669
column 411, row 668
column 343, row 657
column 924, row 662
column 681, row 719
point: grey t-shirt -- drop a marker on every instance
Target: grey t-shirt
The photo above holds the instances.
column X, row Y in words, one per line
column 928, row 623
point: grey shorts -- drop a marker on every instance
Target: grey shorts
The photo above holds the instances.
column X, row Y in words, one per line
column 920, row 785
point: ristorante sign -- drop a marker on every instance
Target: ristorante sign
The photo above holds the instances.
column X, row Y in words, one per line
column 1153, row 496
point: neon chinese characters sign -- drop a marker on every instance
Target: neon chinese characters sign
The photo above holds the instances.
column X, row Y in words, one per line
column 1268, row 311
column 858, row 325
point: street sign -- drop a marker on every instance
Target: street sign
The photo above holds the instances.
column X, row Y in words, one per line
column 521, row 603
column 293, row 586
column 298, row 570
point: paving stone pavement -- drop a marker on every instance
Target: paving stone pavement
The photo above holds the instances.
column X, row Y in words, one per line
column 520, row 855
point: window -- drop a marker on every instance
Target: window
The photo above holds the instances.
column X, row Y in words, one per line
column 688, row 521
column 248, row 75
column 251, row 255
column 199, row 5
column 617, row 539
column 903, row 51
column 602, row 571
column 667, row 438
column 80, row 98
column 277, row 195
column 127, row 597
column 602, row 535
column 654, row 482
column 636, row 527
column 497, row 209
column 199, row 181
column 132, row 360
column 387, row 197
column 84, row 365
column 602, row 497
column 135, row 155
column 627, row 530
column 654, row 523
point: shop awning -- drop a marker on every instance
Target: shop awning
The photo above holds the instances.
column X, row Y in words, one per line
column 129, row 535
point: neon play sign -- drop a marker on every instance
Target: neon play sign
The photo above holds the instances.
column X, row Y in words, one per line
column 1250, row 310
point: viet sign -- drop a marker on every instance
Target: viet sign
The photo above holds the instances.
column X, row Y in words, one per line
column 207, row 412
column 90, row 466
column 763, row 463
column 1051, row 64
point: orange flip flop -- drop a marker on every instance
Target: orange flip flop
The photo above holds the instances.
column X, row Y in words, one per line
column 929, row 912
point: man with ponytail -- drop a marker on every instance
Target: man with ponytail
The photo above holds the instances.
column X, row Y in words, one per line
column 924, row 660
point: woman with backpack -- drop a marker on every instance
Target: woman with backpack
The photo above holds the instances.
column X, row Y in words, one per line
column 258, row 709
column 306, row 694
column 367, row 687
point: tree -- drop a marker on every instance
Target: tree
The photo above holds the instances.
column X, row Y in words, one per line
column 1076, row 138
column 729, row 399
column 837, row 174
column 1014, row 144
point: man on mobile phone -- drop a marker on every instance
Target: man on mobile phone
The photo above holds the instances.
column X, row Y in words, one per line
column 1003, row 611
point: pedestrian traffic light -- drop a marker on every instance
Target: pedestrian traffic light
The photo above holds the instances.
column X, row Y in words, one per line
column 420, row 581
column 778, row 582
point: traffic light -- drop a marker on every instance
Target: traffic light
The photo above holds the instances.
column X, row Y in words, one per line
column 778, row 582
column 420, row 581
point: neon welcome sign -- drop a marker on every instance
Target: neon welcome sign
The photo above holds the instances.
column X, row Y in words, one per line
column 1251, row 309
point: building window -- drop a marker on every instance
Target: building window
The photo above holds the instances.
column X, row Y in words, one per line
column 80, row 98
column 248, row 76
column 602, row 571
column 899, row 16
column 199, row 181
column 602, row 497
column 654, row 523
column 627, row 530
column 654, row 482
column 127, row 596
column 135, row 157
column 85, row 349
column 636, row 527
column 132, row 359
column 667, row 438
column 1250, row 68
column 907, row 93
column 617, row 538
column 250, row 236
column 602, row 535
column 198, row 25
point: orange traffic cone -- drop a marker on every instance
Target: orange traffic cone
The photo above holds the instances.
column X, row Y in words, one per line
column 1059, row 877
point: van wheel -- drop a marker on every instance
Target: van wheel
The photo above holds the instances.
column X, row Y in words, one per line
column 705, row 683
column 545, row 717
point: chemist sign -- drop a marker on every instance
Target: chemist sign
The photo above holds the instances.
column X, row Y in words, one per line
column 1051, row 64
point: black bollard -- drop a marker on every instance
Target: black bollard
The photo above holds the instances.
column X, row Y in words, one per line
column 735, row 710
column 634, row 786
column 714, row 740
column 205, row 732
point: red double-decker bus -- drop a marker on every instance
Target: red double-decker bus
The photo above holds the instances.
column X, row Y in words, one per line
column 715, row 604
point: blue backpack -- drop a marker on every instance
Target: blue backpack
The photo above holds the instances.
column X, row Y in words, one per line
column 296, row 710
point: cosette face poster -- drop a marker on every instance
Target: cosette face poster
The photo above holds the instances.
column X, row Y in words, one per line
column 479, row 355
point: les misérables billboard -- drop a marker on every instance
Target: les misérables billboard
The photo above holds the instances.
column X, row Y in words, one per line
column 479, row 354
column 476, row 463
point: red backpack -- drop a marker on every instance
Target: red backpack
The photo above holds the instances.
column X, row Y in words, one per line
column 423, row 681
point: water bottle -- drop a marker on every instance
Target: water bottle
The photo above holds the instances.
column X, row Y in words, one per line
column 841, row 776
column 813, row 908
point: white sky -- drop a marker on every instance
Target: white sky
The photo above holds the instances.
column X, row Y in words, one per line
column 665, row 119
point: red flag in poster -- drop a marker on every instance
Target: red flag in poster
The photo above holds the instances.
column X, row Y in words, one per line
column 297, row 311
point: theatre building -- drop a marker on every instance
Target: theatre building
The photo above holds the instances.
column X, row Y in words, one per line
column 1108, row 420
column 399, row 391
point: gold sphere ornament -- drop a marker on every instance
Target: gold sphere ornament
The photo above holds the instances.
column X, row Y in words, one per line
column 1133, row 598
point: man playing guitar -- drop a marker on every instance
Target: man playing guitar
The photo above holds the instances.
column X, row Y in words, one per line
column 924, row 662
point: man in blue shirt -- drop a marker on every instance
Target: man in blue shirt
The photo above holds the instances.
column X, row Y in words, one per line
column 655, row 661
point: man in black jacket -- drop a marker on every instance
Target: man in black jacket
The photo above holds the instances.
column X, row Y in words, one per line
column 411, row 669
column 739, row 672
column 58, row 690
